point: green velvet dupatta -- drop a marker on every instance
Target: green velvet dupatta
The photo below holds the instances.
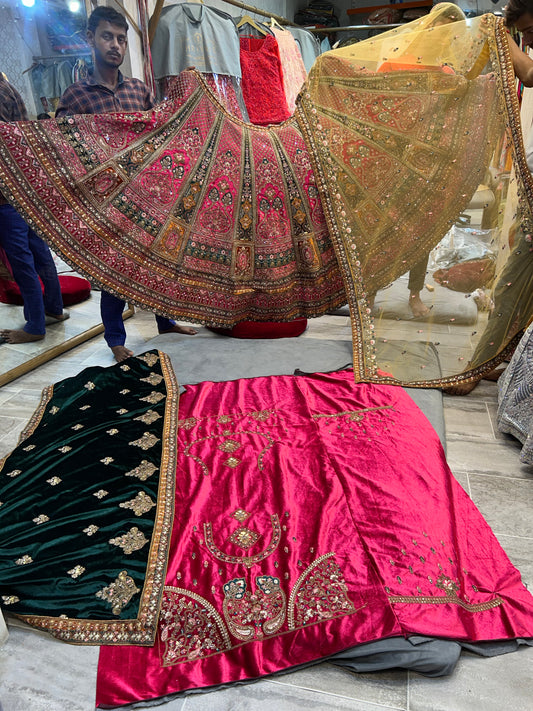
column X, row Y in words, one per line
column 87, row 501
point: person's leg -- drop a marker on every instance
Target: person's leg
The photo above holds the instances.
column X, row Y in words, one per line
column 167, row 325
column 111, row 308
column 417, row 278
column 46, row 269
column 15, row 241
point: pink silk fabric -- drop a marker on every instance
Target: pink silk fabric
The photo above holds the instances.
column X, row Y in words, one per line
column 312, row 515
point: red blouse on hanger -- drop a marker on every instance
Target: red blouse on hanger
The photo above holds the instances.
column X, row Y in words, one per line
column 262, row 80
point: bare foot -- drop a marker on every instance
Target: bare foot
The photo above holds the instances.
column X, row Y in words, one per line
column 461, row 388
column 19, row 336
column 58, row 317
column 121, row 353
column 417, row 306
column 187, row 330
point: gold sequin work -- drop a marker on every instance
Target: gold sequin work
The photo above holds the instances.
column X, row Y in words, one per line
column 131, row 541
column 119, row 593
column 147, row 441
column 149, row 417
column 140, row 505
column 144, row 471
column 42, row 518
column 76, row 571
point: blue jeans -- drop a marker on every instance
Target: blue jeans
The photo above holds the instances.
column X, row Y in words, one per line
column 111, row 308
column 30, row 258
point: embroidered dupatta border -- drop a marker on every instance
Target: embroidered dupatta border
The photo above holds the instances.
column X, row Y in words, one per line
column 141, row 630
column 363, row 336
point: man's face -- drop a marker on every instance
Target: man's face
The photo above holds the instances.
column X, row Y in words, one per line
column 109, row 43
column 525, row 25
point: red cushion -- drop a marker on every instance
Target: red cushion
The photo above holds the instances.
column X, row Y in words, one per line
column 73, row 290
column 265, row 329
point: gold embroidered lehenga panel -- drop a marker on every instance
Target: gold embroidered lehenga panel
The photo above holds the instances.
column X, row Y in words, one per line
column 395, row 187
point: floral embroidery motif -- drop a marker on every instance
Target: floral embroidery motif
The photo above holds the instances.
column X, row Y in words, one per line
column 244, row 537
column 76, row 571
column 140, row 505
column 122, row 411
column 352, row 415
column 54, row 410
column 91, row 530
column 85, row 407
column 89, row 385
column 187, row 424
column 101, row 493
column 143, row 472
column 229, row 445
column 145, row 442
column 149, row 358
column 77, row 427
column 131, row 541
column 252, row 615
column 119, row 593
column 149, row 417
column 153, row 398
column 14, row 473
column 107, row 460
column 54, row 481
column 29, row 448
column 112, row 431
column 125, row 368
column 232, row 462
column 42, row 518
column 248, row 561
column 64, row 449
column 152, row 379
column 25, row 560
column 320, row 594
column 10, row 599
column 240, row 515
column 125, row 391
column 189, row 627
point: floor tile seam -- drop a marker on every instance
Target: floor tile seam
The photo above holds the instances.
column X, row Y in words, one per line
column 512, row 535
column 498, row 476
column 337, row 696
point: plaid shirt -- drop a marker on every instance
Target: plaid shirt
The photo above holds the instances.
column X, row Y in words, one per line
column 11, row 109
column 88, row 97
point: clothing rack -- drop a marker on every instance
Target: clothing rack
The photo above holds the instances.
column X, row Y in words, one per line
column 154, row 19
column 351, row 27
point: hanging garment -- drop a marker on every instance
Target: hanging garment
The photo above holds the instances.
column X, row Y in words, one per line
column 304, row 526
column 294, row 74
column 195, row 35
column 308, row 44
column 262, row 80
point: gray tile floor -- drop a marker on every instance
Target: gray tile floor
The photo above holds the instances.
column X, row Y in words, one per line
column 40, row 674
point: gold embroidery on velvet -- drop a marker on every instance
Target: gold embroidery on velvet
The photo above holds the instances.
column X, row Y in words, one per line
column 101, row 493
column 125, row 368
column 10, row 599
column 29, row 448
column 14, row 473
column 149, row 358
column 24, row 560
column 244, row 537
column 320, row 593
column 85, row 407
column 240, row 515
column 119, row 593
column 229, row 445
column 254, row 615
column 89, row 385
column 42, row 518
column 145, row 442
column 122, row 411
column 107, row 460
column 149, row 417
column 153, row 398
column 54, row 481
column 189, row 627
column 112, row 431
column 77, row 427
column 152, row 379
column 54, row 410
column 143, row 472
column 91, row 530
column 131, row 541
column 76, row 571
column 232, row 462
column 140, row 505
column 187, row 424
column 248, row 561
column 125, row 391
column 64, row 449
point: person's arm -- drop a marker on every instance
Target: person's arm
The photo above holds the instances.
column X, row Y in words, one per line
column 522, row 63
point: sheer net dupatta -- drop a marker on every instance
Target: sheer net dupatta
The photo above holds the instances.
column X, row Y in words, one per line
column 415, row 136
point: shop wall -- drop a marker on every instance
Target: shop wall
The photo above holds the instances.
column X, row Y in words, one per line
column 17, row 42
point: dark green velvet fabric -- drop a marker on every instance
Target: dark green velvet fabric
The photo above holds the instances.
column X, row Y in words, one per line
column 86, row 475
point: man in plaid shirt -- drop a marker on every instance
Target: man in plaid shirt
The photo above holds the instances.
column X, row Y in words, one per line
column 107, row 91
column 29, row 257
